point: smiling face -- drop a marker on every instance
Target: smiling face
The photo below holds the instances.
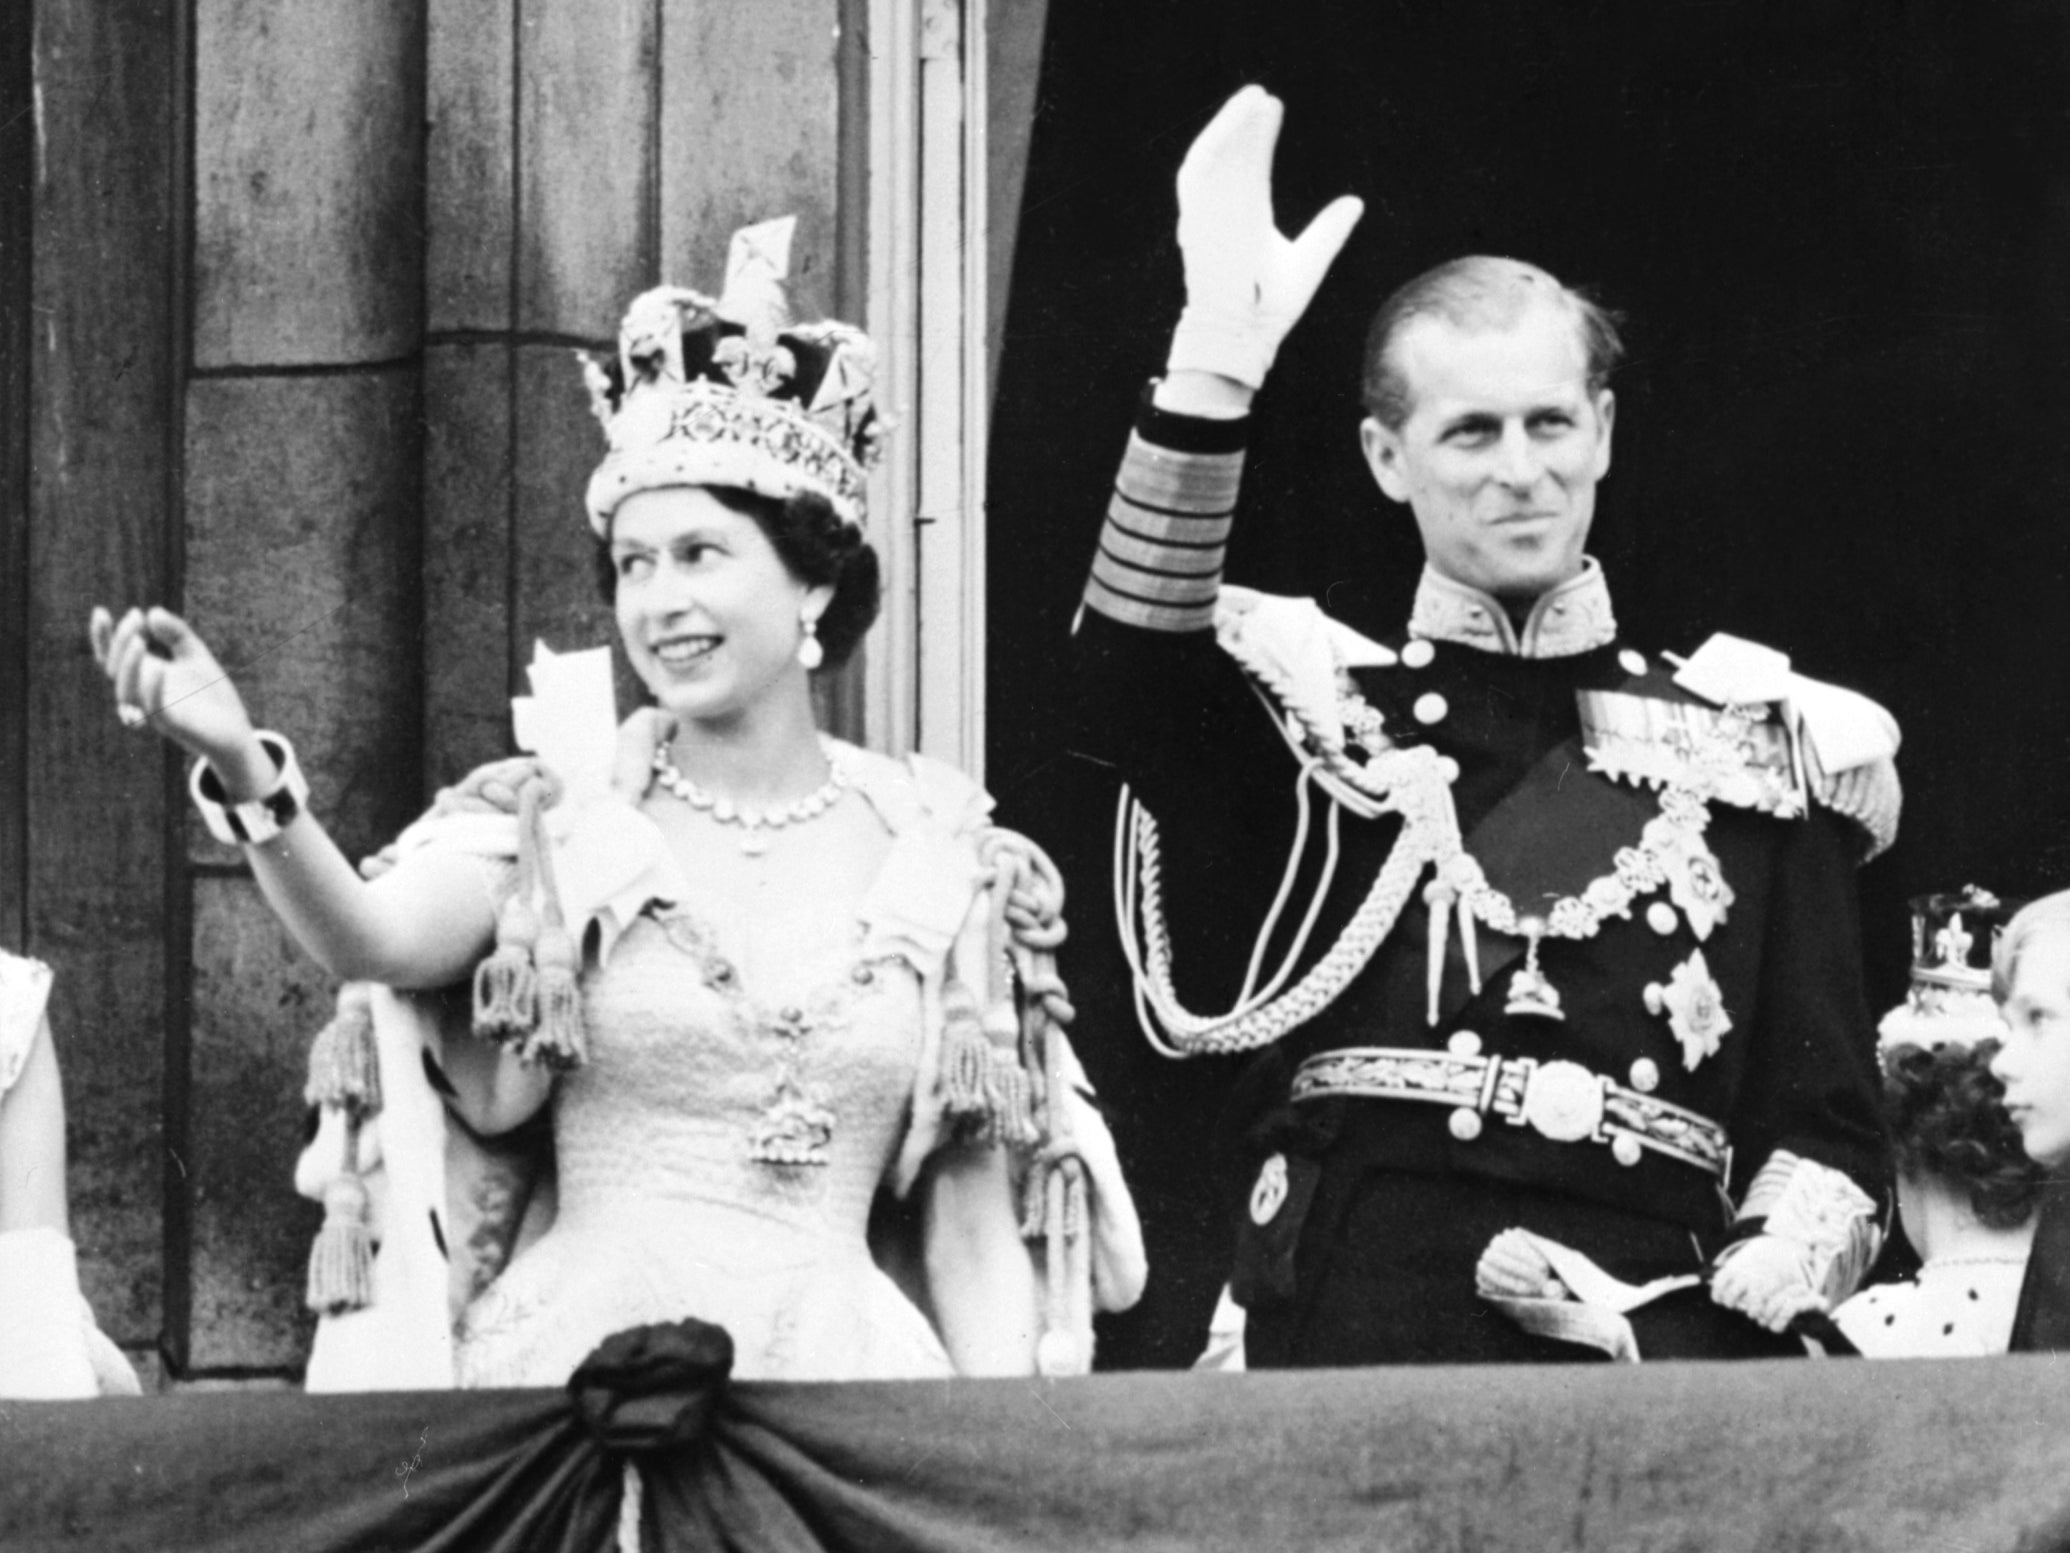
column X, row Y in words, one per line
column 2034, row 1062
column 1501, row 450
column 707, row 610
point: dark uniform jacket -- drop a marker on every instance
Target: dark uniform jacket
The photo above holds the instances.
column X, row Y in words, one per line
column 1788, row 1068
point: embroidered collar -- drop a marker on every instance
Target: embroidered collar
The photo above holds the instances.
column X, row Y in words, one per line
column 1571, row 619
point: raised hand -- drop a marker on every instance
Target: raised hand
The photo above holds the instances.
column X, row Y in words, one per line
column 164, row 674
column 1246, row 284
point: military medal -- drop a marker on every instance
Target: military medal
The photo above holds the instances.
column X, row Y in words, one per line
column 1530, row 992
column 1671, row 853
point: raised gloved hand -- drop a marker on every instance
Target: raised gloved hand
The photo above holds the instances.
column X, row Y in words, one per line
column 1769, row 1280
column 1246, row 284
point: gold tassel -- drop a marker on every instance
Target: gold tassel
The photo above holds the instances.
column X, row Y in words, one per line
column 1057, row 1350
column 506, row 986
column 559, row 1041
column 344, row 1066
column 1035, row 1202
column 341, row 1263
column 966, row 1056
column 1013, row 1120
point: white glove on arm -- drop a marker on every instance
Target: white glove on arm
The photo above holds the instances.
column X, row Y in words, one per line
column 1246, row 284
column 1818, row 1236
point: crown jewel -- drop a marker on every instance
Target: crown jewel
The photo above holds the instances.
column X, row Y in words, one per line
column 729, row 391
column 1954, row 939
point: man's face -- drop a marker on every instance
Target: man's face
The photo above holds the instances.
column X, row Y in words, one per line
column 2034, row 1062
column 1501, row 451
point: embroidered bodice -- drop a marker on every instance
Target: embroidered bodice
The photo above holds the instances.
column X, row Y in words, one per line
column 748, row 1089
column 690, row 1062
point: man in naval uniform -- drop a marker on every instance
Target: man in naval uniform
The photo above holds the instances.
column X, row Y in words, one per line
column 1544, row 948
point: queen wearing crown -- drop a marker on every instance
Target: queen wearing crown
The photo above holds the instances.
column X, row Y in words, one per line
column 787, row 1006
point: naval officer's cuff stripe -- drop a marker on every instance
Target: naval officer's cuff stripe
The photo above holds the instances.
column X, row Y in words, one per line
column 1162, row 566
column 1180, row 483
column 1163, row 534
column 1147, row 614
column 1191, row 514
column 1165, row 528
column 1156, row 587
column 1153, row 557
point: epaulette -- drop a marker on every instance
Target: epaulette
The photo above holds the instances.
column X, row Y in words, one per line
column 1295, row 653
column 1801, row 740
column 1742, row 753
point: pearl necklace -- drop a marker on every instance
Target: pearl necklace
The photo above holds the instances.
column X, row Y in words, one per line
column 755, row 825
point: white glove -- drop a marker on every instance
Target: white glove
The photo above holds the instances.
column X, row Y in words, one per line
column 1513, row 1267
column 1767, row 1279
column 1246, row 285
column 43, row 1320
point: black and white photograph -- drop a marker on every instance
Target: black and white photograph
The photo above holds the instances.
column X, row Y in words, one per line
column 985, row 775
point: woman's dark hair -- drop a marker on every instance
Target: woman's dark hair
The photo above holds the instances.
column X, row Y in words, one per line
column 1947, row 1117
column 815, row 546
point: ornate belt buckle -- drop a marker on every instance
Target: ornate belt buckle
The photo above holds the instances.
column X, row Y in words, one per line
column 1564, row 1101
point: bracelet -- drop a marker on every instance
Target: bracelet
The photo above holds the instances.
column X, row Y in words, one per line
column 258, row 819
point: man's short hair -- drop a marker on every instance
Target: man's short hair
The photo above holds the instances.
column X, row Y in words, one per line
column 2028, row 923
column 1473, row 293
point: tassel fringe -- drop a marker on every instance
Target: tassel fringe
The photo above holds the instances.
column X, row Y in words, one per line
column 527, row 995
column 344, row 1068
column 506, row 984
column 560, row 1041
column 341, row 1263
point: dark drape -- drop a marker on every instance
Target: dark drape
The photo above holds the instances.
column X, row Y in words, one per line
column 1837, row 1456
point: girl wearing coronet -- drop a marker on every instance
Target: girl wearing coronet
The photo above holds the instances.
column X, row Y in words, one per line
column 757, row 977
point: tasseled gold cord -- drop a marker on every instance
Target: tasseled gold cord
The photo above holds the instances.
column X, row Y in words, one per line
column 1013, row 1105
column 966, row 1059
column 1013, row 1117
column 506, row 984
column 1066, row 1323
column 344, row 1067
column 559, row 1041
column 341, row 1263
column 527, row 993
column 1055, row 1195
column 345, row 1076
